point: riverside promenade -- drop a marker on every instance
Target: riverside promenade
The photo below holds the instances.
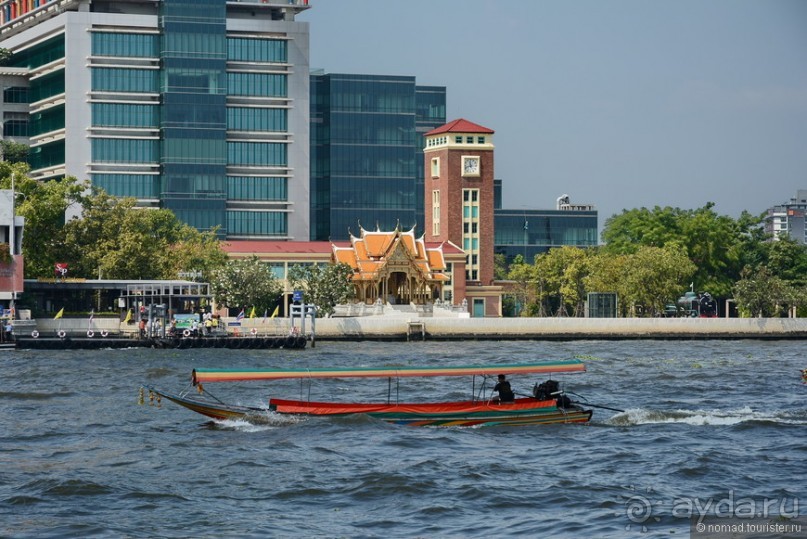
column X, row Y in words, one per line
column 439, row 328
column 415, row 327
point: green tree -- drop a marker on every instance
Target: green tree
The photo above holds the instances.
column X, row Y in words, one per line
column 14, row 152
column 607, row 274
column 110, row 238
column 527, row 288
column 499, row 267
column 787, row 259
column 43, row 205
column 247, row 283
column 563, row 271
column 655, row 276
column 324, row 285
column 712, row 242
column 113, row 239
column 760, row 294
column 5, row 56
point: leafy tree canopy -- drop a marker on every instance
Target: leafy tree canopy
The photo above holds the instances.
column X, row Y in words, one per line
column 247, row 283
column 325, row 285
column 712, row 242
column 14, row 152
column 110, row 238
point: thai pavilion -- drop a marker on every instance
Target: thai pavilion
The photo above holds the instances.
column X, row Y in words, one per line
column 395, row 266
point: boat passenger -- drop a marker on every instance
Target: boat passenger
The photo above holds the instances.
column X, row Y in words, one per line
column 504, row 390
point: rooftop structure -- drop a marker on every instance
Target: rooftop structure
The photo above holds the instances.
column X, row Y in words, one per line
column 789, row 219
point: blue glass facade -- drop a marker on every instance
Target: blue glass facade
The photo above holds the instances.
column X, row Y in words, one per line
column 366, row 151
column 532, row 232
column 193, row 54
column 188, row 108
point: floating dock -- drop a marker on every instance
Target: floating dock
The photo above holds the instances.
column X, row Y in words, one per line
column 251, row 342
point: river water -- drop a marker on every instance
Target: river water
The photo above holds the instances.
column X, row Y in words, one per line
column 709, row 428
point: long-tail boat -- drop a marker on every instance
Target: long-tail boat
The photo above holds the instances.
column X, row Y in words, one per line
column 543, row 407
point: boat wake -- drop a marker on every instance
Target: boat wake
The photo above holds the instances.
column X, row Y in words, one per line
column 642, row 416
column 256, row 423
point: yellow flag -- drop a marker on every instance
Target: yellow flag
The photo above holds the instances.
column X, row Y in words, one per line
column 252, row 313
column 277, row 310
column 59, row 314
column 128, row 316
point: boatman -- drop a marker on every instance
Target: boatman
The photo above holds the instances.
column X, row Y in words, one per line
column 505, row 391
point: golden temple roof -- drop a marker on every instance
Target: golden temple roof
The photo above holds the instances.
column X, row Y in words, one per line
column 370, row 252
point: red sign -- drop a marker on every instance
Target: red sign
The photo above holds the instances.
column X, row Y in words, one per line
column 60, row 269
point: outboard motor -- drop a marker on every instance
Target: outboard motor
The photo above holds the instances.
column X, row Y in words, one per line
column 550, row 390
column 544, row 392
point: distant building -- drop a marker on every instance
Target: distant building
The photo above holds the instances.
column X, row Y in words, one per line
column 197, row 106
column 14, row 103
column 367, row 151
column 788, row 219
column 529, row 232
column 11, row 259
column 459, row 195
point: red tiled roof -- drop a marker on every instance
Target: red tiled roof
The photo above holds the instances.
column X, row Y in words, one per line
column 280, row 247
column 311, row 247
column 460, row 126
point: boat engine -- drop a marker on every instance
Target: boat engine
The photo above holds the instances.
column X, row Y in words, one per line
column 550, row 390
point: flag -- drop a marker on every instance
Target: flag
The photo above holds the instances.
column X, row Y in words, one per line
column 240, row 315
column 252, row 313
column 265, row 316
column 128, row 316
column 59, row 314
column 92, row 315
column 276, row 311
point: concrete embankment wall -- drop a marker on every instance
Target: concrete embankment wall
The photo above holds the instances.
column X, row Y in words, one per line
column 561, row 328
column 401, row 328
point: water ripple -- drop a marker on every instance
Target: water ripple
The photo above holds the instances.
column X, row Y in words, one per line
column 79, row 457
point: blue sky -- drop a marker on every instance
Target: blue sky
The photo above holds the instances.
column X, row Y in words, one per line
column 622, row 104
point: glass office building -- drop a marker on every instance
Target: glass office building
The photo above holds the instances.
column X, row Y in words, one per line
column 367, row 151
column 532, row 232
column 197, row 106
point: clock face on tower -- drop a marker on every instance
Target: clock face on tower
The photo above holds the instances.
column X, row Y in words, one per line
column 470, row 165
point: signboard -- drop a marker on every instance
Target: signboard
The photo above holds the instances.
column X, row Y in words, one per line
column 184, row 320
column 297, row 296
column 60, row 270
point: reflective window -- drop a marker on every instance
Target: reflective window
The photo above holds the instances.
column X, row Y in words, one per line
column 259, row 84
column 257, row 50
column 252, row 188
column 39, row 55
column 193, row 147
column 15, row 128
column 125, row 80
column 125, row 150
column 47, row 86
column 128, row 185
column 48, row 120
column 189, row 44
column 125, row 44
column 253, row 119
column 278, row 269
column 194, row 79
column 248, row 223
column 47, row 155
column 15, row 94
column 125, row 115
column 257, row 153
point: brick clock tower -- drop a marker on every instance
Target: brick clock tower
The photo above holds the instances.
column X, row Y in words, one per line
column 458, row 197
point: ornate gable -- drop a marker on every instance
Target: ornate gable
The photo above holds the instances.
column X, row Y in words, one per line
column 374, row 254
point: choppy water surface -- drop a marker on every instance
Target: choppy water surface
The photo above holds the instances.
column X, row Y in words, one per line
column 704, row 421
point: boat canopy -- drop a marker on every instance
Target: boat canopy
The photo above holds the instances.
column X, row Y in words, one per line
column 237, row 375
